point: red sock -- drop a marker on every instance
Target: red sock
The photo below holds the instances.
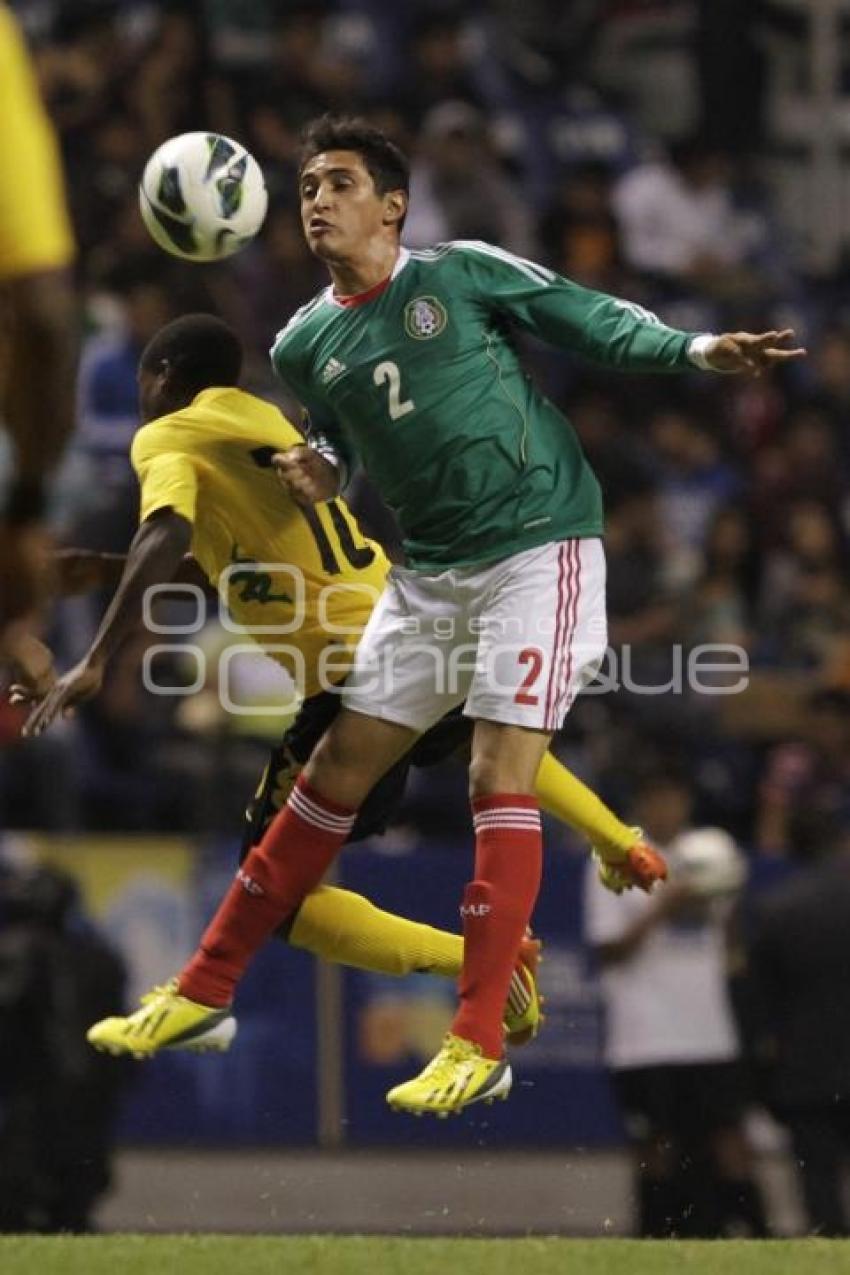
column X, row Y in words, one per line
column 497, row 907
column 290, row 861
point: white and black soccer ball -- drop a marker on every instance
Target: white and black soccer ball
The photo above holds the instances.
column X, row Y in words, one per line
column 202, row 196
column 709, row 862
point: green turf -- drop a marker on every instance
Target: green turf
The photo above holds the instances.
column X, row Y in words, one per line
column 351, row 1255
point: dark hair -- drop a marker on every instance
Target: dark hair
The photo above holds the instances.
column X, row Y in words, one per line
column 385, row 162
column 200, row 351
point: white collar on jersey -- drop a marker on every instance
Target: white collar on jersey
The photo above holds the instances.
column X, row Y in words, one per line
column 400, row 262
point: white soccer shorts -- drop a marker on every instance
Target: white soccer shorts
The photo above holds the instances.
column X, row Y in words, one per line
column 516, row 639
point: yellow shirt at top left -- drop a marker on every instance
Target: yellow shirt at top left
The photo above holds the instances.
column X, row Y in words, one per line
column 35, row 230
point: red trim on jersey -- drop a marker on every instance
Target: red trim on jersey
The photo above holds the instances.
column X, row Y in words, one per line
column 360, row 298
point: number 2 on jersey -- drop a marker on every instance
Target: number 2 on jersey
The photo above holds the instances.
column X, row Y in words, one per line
column 389, row 372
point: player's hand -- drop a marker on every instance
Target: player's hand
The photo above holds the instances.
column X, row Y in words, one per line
column 643, row 867
column 306, row 475
column 74, row 687
column 747, row 352
column 34, row 670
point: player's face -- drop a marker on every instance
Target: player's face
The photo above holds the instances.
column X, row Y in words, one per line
column 340, row 209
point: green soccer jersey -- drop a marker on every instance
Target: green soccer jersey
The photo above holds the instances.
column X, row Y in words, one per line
column 421, row 383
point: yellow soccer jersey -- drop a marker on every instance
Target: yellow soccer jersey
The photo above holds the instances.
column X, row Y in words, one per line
column 301, row 582
column 35, row 233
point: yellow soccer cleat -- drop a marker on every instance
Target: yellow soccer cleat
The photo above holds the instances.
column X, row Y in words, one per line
column 524, row 1009
column 166, row 1020
column 455, row 1078
column 641, row 865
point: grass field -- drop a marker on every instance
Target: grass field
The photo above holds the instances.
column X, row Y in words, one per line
column 351, row 1255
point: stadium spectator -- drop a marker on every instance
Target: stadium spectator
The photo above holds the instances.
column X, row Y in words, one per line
column 642, row 610
column 306, row 75
column 732, row 66
column 810, row 771
column 108, row 415
column 273, row 280
column 459, row 173
column 694, row 480
column 805, row 603
column 578, row 232
column 679, row 221
column 440, row 65
column 721, row 604
column 671, row 1041
column 800, row 459
column 832, row 372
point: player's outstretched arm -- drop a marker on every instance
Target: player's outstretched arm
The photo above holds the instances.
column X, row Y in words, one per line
column 155, row 554
column 609, row 330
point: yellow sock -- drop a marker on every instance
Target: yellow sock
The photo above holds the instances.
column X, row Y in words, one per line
column 346, row 928
column 563, row 795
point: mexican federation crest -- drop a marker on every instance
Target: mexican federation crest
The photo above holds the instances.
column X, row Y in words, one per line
column 424, row 317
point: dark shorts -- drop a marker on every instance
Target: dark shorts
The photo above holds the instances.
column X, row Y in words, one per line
column 685, row 1101
column 293, row 752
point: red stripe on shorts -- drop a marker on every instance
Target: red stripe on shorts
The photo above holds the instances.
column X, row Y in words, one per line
column 563, row 701
column 566, row 635
column 547, row 717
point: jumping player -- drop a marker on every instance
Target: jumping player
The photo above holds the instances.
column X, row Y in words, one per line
column 406, row 363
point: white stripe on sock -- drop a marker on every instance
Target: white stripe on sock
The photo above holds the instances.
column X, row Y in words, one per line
column 312, row 813
column 315, row 808
column 525, row 812
column 514, row 823
column 530, row 816
column 515, row 817
column 317, row 819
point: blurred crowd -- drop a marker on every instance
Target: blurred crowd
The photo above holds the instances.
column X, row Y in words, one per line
column 536, row 127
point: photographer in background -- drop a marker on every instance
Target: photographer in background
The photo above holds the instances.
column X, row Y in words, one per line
column 671, row 1041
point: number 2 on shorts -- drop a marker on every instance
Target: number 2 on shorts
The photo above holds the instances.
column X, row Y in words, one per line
column 533, row 656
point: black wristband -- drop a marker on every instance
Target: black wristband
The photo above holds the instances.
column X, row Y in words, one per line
column 25, row 502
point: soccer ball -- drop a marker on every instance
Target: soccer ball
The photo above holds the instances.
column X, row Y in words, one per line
column 708, row 861
column 202, row 196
